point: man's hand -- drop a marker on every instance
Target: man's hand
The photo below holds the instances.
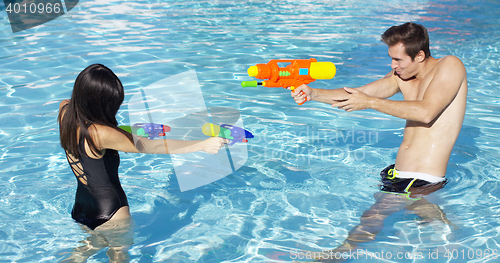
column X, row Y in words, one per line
column 304, row 96
column 353, row 100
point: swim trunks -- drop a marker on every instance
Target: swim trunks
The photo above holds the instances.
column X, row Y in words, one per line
column 406, row 183
column 99, row 193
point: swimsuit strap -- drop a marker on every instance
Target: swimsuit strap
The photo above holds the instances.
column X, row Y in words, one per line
column 77, row 168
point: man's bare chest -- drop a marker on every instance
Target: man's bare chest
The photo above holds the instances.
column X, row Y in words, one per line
column 414, row 89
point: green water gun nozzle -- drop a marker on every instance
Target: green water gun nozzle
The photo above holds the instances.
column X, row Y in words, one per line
column 250, row 84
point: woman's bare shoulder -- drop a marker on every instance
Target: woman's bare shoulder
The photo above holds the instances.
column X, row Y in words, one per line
column 110, row 138
column 101, row 132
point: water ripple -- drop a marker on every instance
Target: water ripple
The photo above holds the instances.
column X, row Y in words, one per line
column 312, row 170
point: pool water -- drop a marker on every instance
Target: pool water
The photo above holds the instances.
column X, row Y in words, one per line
column 311, row 170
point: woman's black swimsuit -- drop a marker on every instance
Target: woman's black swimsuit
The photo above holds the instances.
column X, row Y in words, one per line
column 99, row 194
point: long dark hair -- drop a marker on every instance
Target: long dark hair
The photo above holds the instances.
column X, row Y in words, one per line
column 413, row 36
column 97, row 96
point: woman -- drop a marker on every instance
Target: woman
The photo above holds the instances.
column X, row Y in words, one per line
column 91, row 138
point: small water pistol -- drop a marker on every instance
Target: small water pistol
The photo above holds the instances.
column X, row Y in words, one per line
column 150, row 130
column 233, row 133
column 289, row 73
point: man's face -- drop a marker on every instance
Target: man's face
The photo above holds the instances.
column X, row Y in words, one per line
column 404, row 66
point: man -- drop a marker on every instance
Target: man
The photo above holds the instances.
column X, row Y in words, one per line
column 435, row 94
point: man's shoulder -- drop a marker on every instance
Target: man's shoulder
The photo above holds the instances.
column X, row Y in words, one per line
column 449, row 61
column 450, row 65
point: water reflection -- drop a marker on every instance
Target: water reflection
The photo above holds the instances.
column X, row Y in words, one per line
column 116, row 235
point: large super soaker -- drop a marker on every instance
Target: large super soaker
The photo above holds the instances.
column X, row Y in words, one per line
column 150, row 130
column 233, row 133
column 294, row 74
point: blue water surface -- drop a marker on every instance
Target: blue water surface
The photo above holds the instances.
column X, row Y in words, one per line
column 312, row 170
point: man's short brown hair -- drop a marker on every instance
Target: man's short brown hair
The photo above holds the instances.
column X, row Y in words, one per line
column 413, row 36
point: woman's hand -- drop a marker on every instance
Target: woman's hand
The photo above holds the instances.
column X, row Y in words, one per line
column 213, row 144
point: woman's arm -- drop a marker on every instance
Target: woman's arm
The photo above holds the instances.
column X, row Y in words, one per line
column 109, row 138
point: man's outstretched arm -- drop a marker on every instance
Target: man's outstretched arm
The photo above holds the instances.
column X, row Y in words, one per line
column 439, row 94
column 382, row 88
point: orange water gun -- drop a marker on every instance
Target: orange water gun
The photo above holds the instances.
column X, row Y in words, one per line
column 289, row 73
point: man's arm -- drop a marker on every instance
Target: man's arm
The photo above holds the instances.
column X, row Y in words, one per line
column 383, row 88
column 440, row 93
